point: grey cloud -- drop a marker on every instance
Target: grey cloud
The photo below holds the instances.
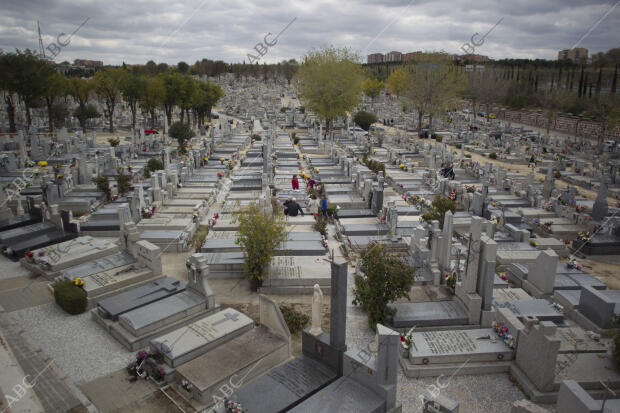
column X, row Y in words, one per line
column 137, row 31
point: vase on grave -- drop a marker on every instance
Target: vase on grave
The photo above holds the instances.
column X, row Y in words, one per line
column 404, row 350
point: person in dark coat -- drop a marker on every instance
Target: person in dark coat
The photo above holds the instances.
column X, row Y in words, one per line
column 294, row 209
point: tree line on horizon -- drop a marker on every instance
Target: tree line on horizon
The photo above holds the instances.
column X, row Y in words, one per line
column 37, row 84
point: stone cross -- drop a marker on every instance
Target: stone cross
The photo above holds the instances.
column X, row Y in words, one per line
column 227, row 317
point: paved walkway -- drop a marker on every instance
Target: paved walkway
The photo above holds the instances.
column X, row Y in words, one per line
column 52, row 391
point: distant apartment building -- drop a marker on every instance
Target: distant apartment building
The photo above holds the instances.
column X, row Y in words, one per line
column 411, row 56
column 86, row 63
column 393, row 57
column 576, row 55
column 375, row 58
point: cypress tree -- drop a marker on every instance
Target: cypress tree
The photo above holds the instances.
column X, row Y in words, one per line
column 598, row 82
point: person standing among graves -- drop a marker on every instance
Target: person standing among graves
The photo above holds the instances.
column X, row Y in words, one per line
column 313, row 206
column 275, row 204
column 324, row 206
column 310, row 184
column 532, row 162
column 295, row 182
column 294, row 209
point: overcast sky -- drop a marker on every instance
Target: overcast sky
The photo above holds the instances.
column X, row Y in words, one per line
column 135, row 31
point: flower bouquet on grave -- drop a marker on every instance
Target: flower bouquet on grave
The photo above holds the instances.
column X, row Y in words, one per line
column 158, row 373
column 451, row 281
column 186, row 385
column 503, row 276
column 573, row 264
column 222, row 160
column 584, row 237
column 30, row 256
column 547, row 226
column 233, row 407
column 405, row 341
column 220, row 174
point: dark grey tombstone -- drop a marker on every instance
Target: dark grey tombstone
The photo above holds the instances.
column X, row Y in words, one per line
column 596, row 306
column 338, row 316
column 377, row 200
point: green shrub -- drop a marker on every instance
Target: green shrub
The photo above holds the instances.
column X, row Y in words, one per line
column 467, row 155
column 439, row 138
column 493, row 155
column 438, row 209
column 458, row 146
column 373, row 165
column 70, row 298
column 320, row 224
column 154, row 164
column 256, row 137
column 199, row 237
column 383, row 279
column 259, row 235
column 557, row 175
column 295, row 138
column 364, row 119
column 332, row 209
column 295, row 320
column 103, row 185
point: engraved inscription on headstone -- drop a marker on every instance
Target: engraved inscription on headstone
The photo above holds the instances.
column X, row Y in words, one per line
column 446, row 342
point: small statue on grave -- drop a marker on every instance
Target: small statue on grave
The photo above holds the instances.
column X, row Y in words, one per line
column 317, row 305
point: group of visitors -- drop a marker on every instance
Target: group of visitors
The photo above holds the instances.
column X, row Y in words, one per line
column 317, row 205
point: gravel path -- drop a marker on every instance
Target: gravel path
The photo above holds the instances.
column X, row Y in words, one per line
column 81, row 348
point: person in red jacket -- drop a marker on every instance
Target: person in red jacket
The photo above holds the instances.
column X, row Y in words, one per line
column 295, row 182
